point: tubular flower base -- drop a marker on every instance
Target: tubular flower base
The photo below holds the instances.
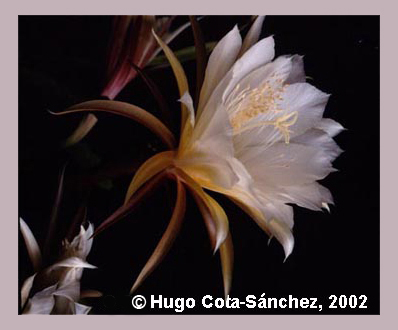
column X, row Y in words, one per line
column 257, row 136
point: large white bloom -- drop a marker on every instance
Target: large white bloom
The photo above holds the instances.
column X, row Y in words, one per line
column 257, row 136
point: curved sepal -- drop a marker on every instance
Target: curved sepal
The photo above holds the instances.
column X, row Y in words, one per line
column 168, row 237
column 127, row 110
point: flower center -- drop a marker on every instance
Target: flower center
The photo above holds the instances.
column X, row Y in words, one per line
column 248, row 104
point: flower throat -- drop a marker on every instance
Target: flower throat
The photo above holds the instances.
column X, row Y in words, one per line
column 249, row 103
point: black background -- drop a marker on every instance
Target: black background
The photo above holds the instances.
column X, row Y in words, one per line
column 62, row 62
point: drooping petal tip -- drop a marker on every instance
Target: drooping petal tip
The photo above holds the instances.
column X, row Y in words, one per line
column 326, row 206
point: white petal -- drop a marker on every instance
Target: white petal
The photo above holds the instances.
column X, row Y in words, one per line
column 63, row 306
column 301, row 101
column 330, row 126
column 286, row 165
column 81, row 243
column 209, row 167
column 186, row 135
column 321, row 140
column 70, row 290
column 253, row 35
column 214, row 137
column 258, row 55
column 26, row 287
column 221, row 59
column 42, row 302
column 280, row 212
column 283, row 234
column 297, row 73
column 31, row 244
column 81, row 309
column 187, row 100
column 311, row 196
column 326, row 206
column 89, row 233
column 280, row 68
column 308, row 101
column 70, row 276
column 73, row 262
column 242, row 194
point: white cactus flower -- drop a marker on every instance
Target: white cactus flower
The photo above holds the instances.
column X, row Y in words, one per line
column 61, row 280
column 257, row 136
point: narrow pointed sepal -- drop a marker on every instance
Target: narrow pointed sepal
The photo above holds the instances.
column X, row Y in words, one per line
column 149, row 169
column 217, row 213
column 85, row 126
column 133, row 202
column 90, row 294
column 26, row 287
column 179, row 74
column 127, row 110
column 157, row 94
column 208, row 219
column 200, row 48
column 168, row 237
column 283, row 234
column 227, row 262
column 31, row 245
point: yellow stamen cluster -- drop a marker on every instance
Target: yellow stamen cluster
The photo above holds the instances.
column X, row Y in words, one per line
column 250, row 103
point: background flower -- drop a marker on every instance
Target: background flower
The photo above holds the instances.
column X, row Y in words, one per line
column 57, row 287
column 132, row 43
column 54, row 288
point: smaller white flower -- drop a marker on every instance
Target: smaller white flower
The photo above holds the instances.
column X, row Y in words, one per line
column 61, row 281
